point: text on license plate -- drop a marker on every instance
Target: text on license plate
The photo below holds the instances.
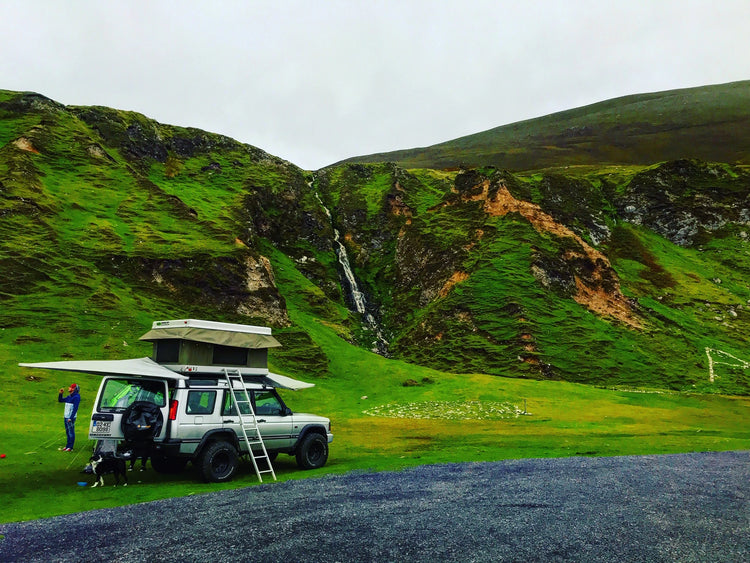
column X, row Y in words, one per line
column 101, row 427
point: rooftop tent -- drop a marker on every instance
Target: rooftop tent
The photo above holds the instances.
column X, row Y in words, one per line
column 223, row 334
column 197, row 346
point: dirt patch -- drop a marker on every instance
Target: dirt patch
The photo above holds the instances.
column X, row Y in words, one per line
column 25, row 145
column 600, row 293
column 456, row 278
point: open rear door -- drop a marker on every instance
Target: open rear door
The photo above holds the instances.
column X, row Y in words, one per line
column 131, row 408
column 125, row 383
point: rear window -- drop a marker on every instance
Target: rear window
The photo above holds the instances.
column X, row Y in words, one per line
column 201, row 402
column 119, row 393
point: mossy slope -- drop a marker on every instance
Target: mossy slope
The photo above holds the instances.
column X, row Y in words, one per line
column 708, row 122
column 590, row 274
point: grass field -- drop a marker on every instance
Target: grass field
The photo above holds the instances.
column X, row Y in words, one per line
column 435, row 418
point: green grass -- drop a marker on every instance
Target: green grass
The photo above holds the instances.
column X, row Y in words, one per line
column 564, row 419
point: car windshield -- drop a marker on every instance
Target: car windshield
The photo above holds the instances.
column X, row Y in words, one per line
column 118, row 394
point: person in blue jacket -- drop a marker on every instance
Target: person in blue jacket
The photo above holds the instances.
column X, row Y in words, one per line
column 71, row 411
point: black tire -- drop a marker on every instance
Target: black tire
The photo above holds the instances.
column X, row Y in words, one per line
column 218, row 462
column 169, row 465
column 312, row 451
column 141, row 422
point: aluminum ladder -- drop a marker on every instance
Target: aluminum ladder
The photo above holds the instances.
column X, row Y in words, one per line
column 248, row 421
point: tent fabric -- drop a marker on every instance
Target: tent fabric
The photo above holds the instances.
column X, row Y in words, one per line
column 211, row 336
column 139, row 366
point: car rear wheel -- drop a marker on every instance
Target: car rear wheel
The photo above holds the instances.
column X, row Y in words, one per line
column 218, row 462
column 312, row 452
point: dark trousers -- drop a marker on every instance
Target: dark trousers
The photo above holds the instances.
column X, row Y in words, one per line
column 70, row 431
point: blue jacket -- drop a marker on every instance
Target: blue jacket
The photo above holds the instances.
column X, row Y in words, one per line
column 71, row 403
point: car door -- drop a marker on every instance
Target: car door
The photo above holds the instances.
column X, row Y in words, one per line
column 198, row 415
column 116, row 395
column 274, row 420
column 270, row 413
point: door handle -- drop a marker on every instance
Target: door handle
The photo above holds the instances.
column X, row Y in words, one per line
column 228, row 421
column 261, row 420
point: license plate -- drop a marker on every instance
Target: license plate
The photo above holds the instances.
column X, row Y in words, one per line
column 101, row 427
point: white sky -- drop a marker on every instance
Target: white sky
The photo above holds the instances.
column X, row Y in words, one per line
column 315, row 82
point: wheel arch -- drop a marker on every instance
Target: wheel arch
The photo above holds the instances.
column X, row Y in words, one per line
column 217, row 435
column 310, row 429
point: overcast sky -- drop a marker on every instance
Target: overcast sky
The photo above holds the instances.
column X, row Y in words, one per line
column 315, row 82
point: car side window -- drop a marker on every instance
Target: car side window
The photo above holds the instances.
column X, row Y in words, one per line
column 201, row 402
column 229, row 409
column 267, row 403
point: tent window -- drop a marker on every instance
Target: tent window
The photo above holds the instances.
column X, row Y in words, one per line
column 229, row 356
column 168, row 351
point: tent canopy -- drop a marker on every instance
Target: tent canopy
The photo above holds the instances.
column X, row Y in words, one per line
column 212, row 336
column 285, row 382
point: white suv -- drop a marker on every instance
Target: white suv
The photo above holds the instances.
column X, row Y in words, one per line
column 178, row 407
column 195, row 419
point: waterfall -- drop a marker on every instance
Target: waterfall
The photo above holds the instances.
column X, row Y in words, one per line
column 357, row 296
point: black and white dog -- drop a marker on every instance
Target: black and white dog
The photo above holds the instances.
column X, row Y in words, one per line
column 102, row 465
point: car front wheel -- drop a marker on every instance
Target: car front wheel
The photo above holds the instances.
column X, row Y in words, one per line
column 312, row 452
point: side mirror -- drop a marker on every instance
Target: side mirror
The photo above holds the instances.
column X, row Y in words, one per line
column 286, row 412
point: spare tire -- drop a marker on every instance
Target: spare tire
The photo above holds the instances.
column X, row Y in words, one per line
column 141, row 422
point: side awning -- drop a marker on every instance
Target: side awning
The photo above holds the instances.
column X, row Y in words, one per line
column 146, row 367
column 284, row 382
column 140, row 366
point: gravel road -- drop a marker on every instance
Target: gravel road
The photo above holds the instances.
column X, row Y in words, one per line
column 686, row 507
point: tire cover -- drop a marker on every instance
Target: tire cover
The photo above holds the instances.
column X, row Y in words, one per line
column 141, row 421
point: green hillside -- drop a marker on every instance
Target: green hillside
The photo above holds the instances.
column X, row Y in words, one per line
column 561, row 285
column 110, row 220
column 613, row 299
column 709, row 123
